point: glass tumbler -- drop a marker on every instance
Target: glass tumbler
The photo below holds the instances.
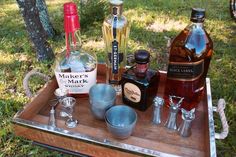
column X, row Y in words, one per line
column 68, row 104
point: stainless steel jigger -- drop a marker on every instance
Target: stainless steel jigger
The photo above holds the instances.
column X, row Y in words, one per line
column 185, row 127
column 173, row 111
column 52, row 119
column 158, row 104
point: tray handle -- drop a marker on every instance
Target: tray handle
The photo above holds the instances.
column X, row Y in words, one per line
column 220, row 110
column 26, row 81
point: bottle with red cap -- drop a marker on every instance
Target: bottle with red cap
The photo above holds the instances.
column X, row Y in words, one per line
column 75, row 69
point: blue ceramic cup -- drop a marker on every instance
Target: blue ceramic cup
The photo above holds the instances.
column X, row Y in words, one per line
column 101, row 98
column 121, row 121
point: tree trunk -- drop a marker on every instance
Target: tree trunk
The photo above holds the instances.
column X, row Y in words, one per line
column 35, row 29
column 44, row 18
column 233, row 9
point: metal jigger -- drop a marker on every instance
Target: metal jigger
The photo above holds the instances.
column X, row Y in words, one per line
column 173, row 111
column 158, row 104
column 185, row 127
column 52, row 119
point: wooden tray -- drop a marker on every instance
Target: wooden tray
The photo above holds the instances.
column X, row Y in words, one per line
column 91, row 136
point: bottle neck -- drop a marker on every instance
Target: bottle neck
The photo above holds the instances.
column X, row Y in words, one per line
column 141, row 70
column 116, row 10
column 197, row 24
column 73, row 42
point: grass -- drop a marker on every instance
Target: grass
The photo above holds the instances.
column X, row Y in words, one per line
column 150, row 21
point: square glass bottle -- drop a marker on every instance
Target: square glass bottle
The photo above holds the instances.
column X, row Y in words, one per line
column 139, row 83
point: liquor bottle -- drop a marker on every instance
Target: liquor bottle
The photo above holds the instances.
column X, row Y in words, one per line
column 139, row 83
column 75, row 69
column 115, row 34
column 189, row 60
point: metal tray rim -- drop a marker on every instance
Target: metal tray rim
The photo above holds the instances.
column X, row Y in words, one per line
column 210, row 119
column 86, row 138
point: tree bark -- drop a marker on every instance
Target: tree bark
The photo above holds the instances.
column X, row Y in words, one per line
column 35, row 29
column 44, row 18
column 233, row 9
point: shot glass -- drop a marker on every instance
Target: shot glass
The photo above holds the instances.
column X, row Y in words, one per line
column 68, row 104
column 60, row 94
column 101, row 98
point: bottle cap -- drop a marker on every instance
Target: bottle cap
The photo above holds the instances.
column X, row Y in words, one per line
column 141, row 56
column 116, row 2
column 197, row 15
column 116, row 7
column 71, row 18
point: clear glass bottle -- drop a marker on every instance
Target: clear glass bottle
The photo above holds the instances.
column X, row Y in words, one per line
column 75, row 69
column 189, row 60
column 115, row 34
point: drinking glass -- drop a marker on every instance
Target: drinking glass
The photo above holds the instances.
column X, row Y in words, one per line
column 67, row 111
column 60, row 94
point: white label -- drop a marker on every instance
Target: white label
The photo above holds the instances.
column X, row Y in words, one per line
column 76, row 82
column 132, row 92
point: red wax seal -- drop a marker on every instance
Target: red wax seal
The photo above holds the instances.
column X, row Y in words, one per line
column 71, row 18
column 141, row 68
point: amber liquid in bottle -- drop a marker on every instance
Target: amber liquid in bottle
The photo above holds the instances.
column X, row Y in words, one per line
column 189, row 60
column 115, row 31
column 139, row 83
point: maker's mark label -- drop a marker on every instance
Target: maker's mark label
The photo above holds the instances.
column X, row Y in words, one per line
column 76, row 82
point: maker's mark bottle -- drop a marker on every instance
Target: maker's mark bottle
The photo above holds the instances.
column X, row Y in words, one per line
column 189, row 59
column 115, row 34
column 75, row 69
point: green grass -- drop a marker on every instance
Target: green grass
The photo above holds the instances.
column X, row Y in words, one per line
column 151, row 21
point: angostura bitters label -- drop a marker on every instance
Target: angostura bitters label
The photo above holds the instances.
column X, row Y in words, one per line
column 185, row 71
column 76, row 82
column 132, row 92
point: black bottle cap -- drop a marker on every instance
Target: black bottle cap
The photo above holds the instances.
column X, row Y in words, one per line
column 141, row 56
column 197, row 15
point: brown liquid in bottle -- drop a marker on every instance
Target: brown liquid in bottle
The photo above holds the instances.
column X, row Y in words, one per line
column 191, row 47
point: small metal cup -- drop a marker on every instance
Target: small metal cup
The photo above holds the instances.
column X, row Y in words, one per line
column 158, row 103
column 101, row 98
column 187, row 118
column 60, row 93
